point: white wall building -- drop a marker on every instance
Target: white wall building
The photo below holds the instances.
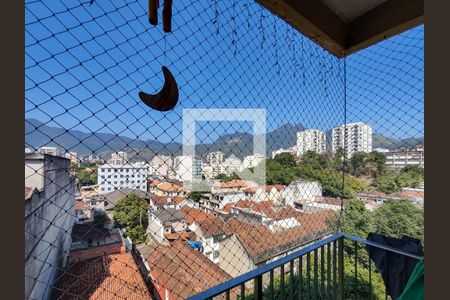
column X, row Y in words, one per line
column 188, row 168
column 300, row 190
column 215, row 158
column 115, row 177
column 353, row 137
column 311, row 140
column 49, row 150
column 292, row 150
column 49, row 218
column 253, row 160
column 160, row 165
column 232, row 164
column 118, row 158
column 400, row 158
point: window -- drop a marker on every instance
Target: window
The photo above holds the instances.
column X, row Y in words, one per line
column 215, row 254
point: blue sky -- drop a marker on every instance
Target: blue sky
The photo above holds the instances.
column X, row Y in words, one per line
column 85, row 65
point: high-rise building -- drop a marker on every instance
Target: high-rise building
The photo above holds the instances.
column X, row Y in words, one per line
column 115, row 177
column 49, row 150
column 118, row 158
column 311, row 140
column 231, row 165
column 215, row 158
column 161, row 165
column 353, row 137
column 188, row 168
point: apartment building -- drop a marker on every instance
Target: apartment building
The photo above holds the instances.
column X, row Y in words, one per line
column 161, row 165
column 118, row 158
column 187, row 168
column 311, row 140
column 353, row 137
column 400, row 158
column 49, row 150
column 115, row 177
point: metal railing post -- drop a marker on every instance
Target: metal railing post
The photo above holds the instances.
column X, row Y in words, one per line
column 258, row 290
column 341, row 269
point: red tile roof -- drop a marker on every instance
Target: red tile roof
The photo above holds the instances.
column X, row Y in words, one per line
column 230, row 184
column 227, row 208
column 80, row 205
column 330, row 200
column 168, row 187
column 182, row 271
column 262, row 244
column 209, row 224
column 111, row 276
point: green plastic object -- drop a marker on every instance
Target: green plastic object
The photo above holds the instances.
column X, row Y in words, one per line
column 414, row 289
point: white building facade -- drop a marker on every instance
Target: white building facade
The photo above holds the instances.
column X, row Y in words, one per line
column 311, row 140
column 400, row 158
column 353, row 137
column 49, row 150
column 161, row 165
column 188, row 168
column 115, row 177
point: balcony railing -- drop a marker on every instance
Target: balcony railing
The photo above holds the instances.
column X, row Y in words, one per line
column 314, row 272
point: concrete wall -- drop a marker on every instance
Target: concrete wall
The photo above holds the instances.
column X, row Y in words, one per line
column 233, row 257
column 49, row 218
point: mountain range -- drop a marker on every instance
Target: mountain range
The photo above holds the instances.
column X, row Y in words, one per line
column 38, row 134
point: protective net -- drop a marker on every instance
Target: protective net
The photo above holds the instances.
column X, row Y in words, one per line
column 290, row 144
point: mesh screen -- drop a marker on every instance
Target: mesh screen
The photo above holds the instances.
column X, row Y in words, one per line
column 114, row 206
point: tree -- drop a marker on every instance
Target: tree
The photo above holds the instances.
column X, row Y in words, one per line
column 195, row 196
column 137, row 234
column 358, row 162
column 130, row 212
column 286, row 159
column 397, row 218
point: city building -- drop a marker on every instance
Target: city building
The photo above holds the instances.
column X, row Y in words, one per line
column 160, row 165
column 273, row 193
column 302, row 192
column 311, row 140
column 251, row 161
column 169, row 189
column 177, row 271
column 73, row 157
column 188, row 168
column 250, row 246
column 165, row 221
column 49, row 150
column 231, row 165
column 400, row 158
column 111, row 177
column 291, row 150
column 49, row 195
column 215, row 158
column 103, row 272
column 118, row 158
column 28, row 150
column 209, row 230
column 352, row 137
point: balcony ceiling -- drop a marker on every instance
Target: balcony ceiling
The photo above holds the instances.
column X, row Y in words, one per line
column 345, row 26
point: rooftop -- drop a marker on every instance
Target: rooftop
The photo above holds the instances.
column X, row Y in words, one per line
column 168, row 214
column 110, row 276
column 183, row 271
